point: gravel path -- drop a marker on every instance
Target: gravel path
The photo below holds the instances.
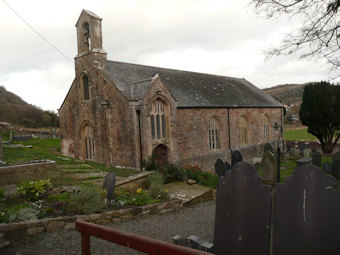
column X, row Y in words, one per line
column 194, row 220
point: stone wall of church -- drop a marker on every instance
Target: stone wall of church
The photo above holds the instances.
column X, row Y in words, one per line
column 193, row 134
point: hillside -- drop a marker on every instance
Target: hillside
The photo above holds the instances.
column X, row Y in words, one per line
column 288, row 93
column 18, row 112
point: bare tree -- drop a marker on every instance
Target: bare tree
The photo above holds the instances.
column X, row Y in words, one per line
column 320, row 28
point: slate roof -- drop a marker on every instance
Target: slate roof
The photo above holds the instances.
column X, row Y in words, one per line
column 189, row 88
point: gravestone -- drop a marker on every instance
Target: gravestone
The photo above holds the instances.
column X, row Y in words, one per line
column 316, row 159
column 288, row 148
column 269, row 168
column 220, row 168
column 294, row 153
column 307, row 153
column 336, row 156
column 327, row 167
column 302, row 147
column 193, row 242
column 109, row 184
column 336, row 169
column 306, row 214
column 227, row 165
column 314, row 150
column 236, row 157
column 243, row 209
column 268, row 147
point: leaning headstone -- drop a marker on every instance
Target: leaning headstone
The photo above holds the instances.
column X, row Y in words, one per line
column 336, row 169
column 327, row 167
column 268, row 147
column 269, row 168
column 220, row 168
column 307, row 153
column 109, row 184
column 236, row 157
column 316, row 159
column 336, row 156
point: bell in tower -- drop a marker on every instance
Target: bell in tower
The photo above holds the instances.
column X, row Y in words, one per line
column 89, row 33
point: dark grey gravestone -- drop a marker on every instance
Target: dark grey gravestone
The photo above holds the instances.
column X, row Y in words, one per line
column 236, row 157
column 227, row 165
column 336, row 156
column 303, row 161
column 268, row 147
column 288, row 148
column 327, row 167
column 314, row 150
column 306, row 214
column 243, row 209
column 336, row 169
column 109, row 184
column 302, row 147
column 220, row 168
column 269, row 168
column 316, row 159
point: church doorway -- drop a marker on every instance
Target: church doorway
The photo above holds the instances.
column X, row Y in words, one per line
column 161, row 154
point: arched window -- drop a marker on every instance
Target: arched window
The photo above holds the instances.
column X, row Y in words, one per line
column 265, row 124
column 86, row 91
column 214, row 134
column 87, row 39
column 158, row 120
column 243, row 129
column 88, row 142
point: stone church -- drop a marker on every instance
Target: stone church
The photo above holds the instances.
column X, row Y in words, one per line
column 119, row 113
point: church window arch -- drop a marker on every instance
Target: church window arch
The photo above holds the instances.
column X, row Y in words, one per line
column 88, row 142
column 214, row 134
column 158, row 120
column 243, row 129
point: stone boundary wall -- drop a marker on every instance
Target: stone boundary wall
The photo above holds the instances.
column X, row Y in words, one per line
column 13, row 174
column 13, row 231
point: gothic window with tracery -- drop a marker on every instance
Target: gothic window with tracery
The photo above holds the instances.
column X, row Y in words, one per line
column 88, row 142
column 158, row 120
column 214, row 134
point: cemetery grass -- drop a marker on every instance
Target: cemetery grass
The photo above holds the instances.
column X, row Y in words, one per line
column 298, row 135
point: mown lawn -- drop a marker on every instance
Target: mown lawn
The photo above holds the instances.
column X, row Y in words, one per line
column 298, row 135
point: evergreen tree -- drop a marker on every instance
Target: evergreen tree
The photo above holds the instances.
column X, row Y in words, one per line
column 320, row 112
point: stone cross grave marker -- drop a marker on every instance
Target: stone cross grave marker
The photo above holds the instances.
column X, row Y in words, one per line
column 109, row 184
column 236, row 157
column 336, row 169
column 327, row 167
column 316, row 159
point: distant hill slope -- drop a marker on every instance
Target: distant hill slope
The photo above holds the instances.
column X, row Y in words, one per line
column 16, row 111
column 288, row 93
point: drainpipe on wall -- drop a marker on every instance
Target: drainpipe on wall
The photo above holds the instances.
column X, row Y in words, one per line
column 140, row 138
column 229, row 133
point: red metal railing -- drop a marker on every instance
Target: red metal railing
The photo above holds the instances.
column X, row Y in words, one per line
column 136, row 242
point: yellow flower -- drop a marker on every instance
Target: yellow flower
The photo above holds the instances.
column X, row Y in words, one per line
column 166, row 190
column 139, row 190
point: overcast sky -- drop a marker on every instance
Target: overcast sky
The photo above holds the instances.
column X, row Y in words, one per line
column 209, row 36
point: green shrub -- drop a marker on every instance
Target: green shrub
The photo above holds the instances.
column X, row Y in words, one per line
column 154, row 184
column 2, row 196
column 172, row 173
column 26, row 213
column 85, row 202
column 156, row 178
column 150, row 164
column 33, row 190
column 64, row 197
column 202, row 178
